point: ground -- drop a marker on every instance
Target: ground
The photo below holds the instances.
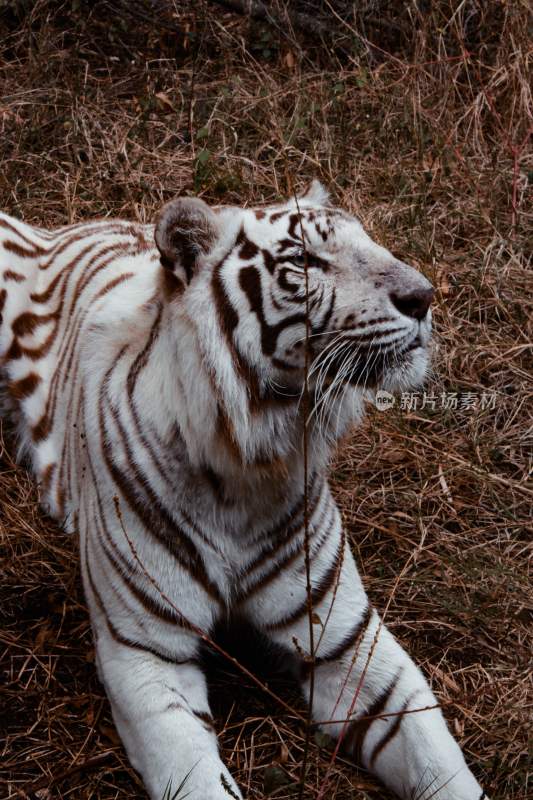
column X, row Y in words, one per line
column 416, row 116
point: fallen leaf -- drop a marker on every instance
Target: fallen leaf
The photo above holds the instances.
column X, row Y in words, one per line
column 44, row 634
column 458, row 727
column 289, row 59
column 447, row 680
column 164, row 103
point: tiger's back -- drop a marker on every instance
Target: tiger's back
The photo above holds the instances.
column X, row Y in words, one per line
column 57, row 291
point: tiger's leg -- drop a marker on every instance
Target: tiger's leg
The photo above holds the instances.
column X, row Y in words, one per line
column 362, row 674
column 162, row 714
column 148, row 663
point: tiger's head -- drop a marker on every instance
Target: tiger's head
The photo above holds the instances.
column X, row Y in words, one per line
column 295, row 287
column 259, row 299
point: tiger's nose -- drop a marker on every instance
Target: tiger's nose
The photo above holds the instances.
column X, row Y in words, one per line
column 413, row 304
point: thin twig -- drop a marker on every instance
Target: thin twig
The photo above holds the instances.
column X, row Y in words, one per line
column 362, row 677
column 379, row 716
column 84, row 766
column 307, row 557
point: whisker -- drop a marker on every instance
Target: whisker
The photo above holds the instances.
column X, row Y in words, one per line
column 322, row 406
column 337, row 381
column 319, row 393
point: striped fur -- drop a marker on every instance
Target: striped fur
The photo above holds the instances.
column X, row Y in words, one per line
column 158, row 377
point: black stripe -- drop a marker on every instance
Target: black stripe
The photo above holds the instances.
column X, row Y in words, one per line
column 202, row 716
column 139, row 363
column 123, row 567
column 327, row 316
column 113, row 251
column 72, row 333
column 142, row 359
column 318, row 592
column 144, row 502
column 112, row 284
column 358, row 729
column 75, row 412
column 115, row 633
column 24, row 387
column 46, row 294
column 228, row 319
column 289, row 557
column 84, row 232
column 291, row 524
column 11, row 275
column 34, row 353
column 22, row 252
column 251, row 285
column 4, row 223
column 126, row 606
column 126, row 571
column 390, row 734
column 349, row 640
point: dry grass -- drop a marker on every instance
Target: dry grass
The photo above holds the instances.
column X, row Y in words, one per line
column 418, row 122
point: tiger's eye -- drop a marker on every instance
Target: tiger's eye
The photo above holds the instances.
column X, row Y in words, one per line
column 299, row 261
column 303, row 260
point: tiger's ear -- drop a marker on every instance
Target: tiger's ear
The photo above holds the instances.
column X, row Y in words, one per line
column 185, row 230
column 316, row 193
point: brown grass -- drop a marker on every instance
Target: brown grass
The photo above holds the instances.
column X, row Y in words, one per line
column 417, row 117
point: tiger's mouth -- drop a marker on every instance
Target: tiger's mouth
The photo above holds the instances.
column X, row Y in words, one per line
column 369, row 365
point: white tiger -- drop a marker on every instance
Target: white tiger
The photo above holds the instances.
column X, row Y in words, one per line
column 159, row 386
